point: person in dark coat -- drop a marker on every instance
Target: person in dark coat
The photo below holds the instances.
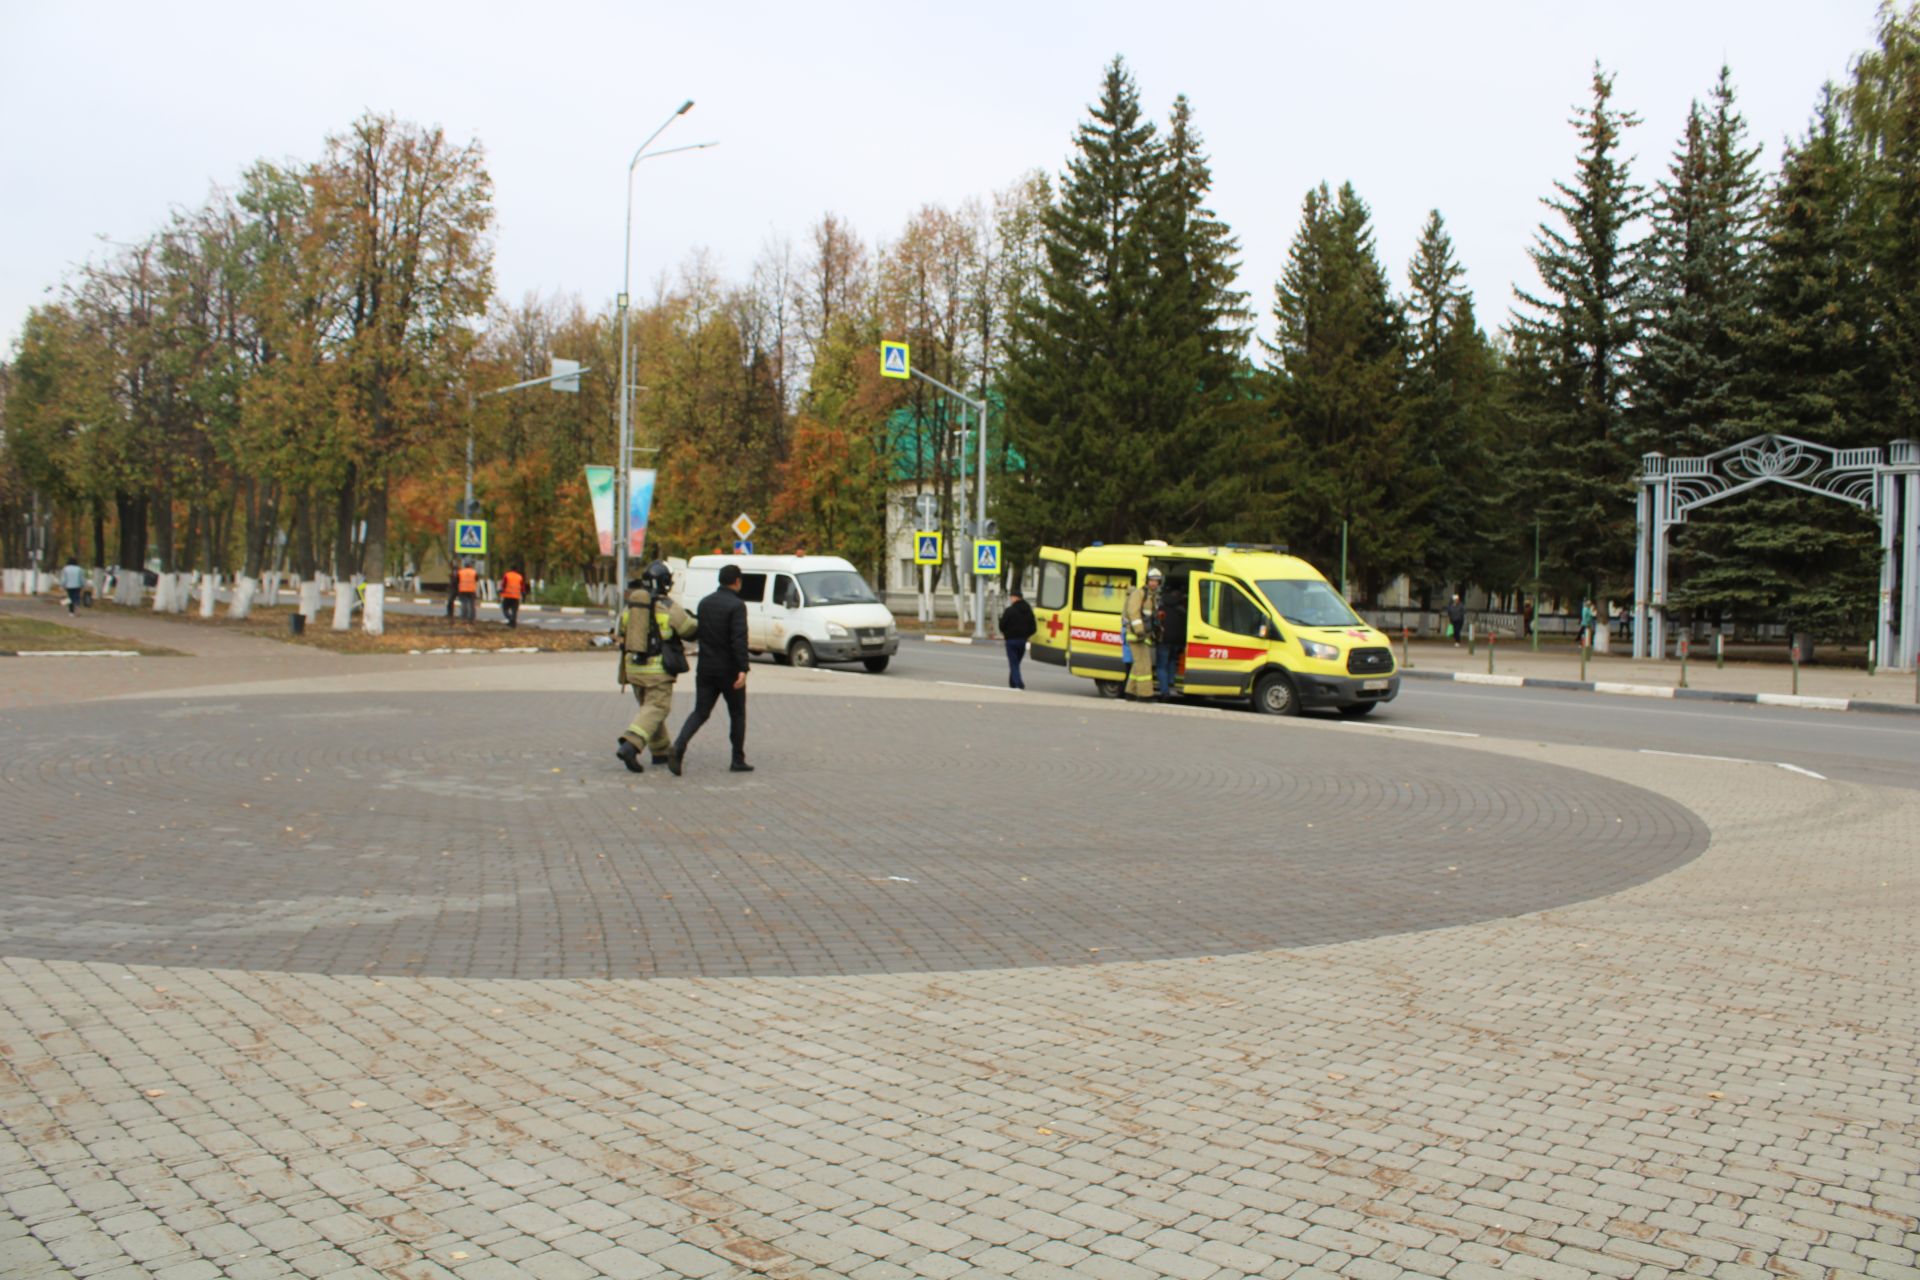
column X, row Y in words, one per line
column 1173, row 640
column 721, row 671
column 1017, row 626
column 1456, row 615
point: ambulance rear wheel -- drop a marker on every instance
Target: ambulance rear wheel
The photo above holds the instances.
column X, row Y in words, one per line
column 1110, row 688
column 801, row 654
column 1274, row 695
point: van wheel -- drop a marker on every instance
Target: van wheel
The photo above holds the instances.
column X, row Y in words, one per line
column 1274, row 695
column 1109, row 688
column 1358, row 710
column 875, row 665
column 801, row 654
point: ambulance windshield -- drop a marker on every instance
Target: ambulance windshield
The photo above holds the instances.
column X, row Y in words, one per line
column 836, row 586
column 1308, row 602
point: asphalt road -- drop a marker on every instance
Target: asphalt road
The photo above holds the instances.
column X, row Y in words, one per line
column 1842, row 745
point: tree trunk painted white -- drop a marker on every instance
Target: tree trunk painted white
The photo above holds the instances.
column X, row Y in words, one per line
column 242, row 602
column 373, row 616
column 182, row 593
column 343, row 606
column 209, row 593
column 310, row 599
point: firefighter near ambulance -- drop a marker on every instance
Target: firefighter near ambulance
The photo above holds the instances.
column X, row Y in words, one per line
column 653, row 633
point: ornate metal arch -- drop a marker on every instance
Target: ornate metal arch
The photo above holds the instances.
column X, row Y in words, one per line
column 1846, row 474
column 1672, row 488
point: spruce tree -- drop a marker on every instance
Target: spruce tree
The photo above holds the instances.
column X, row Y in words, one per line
column 1122, row 365
column 1452, row 374
column 1699, row 286
column 1336, row 445
column 1077, row 386
column 1205, row 323
column 1581, row 326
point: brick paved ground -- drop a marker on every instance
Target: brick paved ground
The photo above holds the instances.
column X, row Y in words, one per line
column 1711, row 1071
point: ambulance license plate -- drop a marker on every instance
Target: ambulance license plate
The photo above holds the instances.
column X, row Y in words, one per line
column 1375, row 684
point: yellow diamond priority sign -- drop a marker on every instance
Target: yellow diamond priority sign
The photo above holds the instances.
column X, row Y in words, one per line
column 742, row 527
column 895, row 361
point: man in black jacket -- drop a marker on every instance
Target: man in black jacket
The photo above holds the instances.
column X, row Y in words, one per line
column 1017, row 625
column 721, row 671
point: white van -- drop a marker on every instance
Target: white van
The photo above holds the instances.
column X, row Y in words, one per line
column 801, row 609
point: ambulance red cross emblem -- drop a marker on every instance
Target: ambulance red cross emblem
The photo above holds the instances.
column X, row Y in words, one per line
column 1053, row 627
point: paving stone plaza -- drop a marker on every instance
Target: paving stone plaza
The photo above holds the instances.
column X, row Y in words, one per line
column 390, row 970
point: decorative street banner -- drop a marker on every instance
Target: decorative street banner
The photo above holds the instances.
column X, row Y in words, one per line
column 640, row 490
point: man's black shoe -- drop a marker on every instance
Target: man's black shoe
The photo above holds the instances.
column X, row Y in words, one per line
column 629, row 756
column 674, row 760
column 740, row 766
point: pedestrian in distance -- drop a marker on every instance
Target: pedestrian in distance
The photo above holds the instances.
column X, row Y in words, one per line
column 1456, row 614
column 1587, row 617
column 1141, row 619
column 721, row 671
column 653, row 633
column 1016, row 627
column 512, row 587
column 72, row 578
column 466, row 589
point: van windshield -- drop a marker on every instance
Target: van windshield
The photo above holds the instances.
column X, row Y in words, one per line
column 1308, row 602
column 836, row 586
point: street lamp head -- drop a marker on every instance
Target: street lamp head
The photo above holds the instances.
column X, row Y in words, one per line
column 685, row 107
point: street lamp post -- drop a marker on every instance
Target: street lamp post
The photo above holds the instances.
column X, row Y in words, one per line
column 622, row 463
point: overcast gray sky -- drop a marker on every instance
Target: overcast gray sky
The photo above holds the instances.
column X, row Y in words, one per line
column 112, row 113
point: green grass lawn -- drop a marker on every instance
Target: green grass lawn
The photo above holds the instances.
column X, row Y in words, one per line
column 19, row 634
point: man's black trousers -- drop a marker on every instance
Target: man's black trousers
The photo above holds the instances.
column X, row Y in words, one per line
column 707, row 691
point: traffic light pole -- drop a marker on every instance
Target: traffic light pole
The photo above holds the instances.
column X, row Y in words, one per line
column 980, row 495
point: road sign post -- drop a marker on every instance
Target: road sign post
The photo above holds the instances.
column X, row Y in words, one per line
column 896, row 363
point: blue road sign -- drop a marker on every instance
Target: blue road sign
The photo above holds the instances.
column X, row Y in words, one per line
column 470, row 537
column 742, row 547
column 895, row 360
column 986, row 558
column 926, row 548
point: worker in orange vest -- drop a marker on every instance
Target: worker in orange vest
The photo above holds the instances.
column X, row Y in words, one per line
column 512, row 587
column 466, row 589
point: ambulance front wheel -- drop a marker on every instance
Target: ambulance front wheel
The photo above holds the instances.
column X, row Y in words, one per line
column 1110, row 688
column 875, row 665
column 1275, row 695
column 1358, row 709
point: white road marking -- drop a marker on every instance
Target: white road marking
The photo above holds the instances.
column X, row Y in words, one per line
column 1794, row 768
column 1695, row 755
column 1408, row 728
column 961, row 684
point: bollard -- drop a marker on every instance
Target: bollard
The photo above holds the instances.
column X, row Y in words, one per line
column 1685, row 645
column 1469, row 639
column 297, row 623
column 1492, row 635
column 1793, row 647
column 1720, row 650
column 1872, row 651
column 1586, row 651
column 1406, row 656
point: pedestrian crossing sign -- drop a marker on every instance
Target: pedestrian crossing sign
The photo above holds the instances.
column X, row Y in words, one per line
column 926, row 548
column 986, row 558
column 470, row 537
column 895, row 361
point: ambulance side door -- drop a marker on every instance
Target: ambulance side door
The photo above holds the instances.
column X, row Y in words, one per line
column 1226, row 637
column 1051, row 601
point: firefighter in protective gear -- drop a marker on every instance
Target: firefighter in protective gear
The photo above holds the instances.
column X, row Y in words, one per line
column 653, row 629
column 1141, row 617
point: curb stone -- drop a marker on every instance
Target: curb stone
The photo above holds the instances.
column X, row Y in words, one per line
column 1802, row 702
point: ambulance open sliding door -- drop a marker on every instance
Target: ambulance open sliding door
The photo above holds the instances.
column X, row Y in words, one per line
column 1052, row 600
column 1224, row 644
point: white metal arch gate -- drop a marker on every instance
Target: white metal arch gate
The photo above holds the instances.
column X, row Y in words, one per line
column 1670, row 488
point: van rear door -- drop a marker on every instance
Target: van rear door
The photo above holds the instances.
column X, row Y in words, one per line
column 1051, row 602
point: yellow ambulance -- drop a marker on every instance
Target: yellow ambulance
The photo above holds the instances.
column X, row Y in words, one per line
column 1261, row 625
